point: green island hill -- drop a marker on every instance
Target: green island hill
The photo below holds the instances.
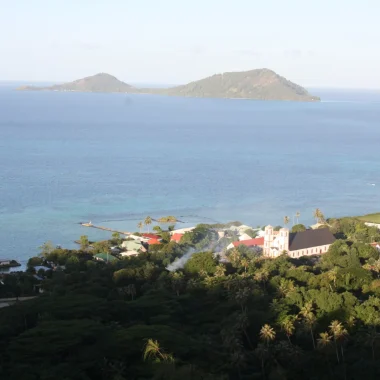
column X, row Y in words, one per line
column 259, row 84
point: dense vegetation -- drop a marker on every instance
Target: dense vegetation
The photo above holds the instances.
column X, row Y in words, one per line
column 250, row 318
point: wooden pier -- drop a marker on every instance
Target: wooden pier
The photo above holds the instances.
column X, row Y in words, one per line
column 105, row 228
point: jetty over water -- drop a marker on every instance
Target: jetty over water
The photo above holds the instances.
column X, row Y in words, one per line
column 105, row 228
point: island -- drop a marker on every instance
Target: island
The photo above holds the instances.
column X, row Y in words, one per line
column 101, row 82
column 259, row 84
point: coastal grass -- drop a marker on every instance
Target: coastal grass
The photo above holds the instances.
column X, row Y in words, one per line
column 370, row 218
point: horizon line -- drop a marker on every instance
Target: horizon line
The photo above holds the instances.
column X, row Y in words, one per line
column 314, row 86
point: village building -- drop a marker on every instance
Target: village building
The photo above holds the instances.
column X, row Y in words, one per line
column 297, row 244
column 150, row 236
column 182, row 230
column 153, row 241
column 132, row 245
column 252, row 243
column 176, row 237
column 244, row 236
column 105, row 257
column 129, row 253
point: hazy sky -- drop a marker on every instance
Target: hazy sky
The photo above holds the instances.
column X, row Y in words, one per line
column 331, row 43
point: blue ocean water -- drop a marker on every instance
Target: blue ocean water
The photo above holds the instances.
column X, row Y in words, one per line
column 113, row 159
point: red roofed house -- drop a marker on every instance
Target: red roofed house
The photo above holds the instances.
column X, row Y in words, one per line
column 176, row 237
column 153, row 241
column 257, row 242
column 150, row 236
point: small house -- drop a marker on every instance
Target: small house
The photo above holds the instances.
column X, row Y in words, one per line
column 176, row 237
column 105, row 257
column 132, row 245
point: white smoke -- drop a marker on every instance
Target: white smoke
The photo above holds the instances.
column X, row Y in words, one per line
column 180, row 262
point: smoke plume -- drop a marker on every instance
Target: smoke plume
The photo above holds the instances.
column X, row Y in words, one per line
column 180, row 262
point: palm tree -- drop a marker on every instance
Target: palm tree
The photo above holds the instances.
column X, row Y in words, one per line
column 152, row 350
column 140, row 226
column 242, row 296
column 235, row 256
column 371, row 337
column 324, row 340
column 148, row 221
column 285, row 287
column 220, row 270
column 288, row 326
column 267, row 334
column 298, row 214
column 306, row 309
column 242, row 322
column 286, row 220
column 307, row 312
column 338, row 332
column 176, row 281
column 244, row 263
column 351, row 322
column 261, row 275
column 262, row 352
column 84, row 242
column 158, row 229
column 310, row 322
column 332, row 275
column 131, row 290
column 318, row 215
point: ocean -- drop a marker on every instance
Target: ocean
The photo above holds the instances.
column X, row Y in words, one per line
column 113, row 159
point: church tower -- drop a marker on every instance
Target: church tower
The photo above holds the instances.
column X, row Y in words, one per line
column 283, row 240
column 268, row 240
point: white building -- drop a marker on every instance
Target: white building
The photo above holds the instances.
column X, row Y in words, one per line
column 297, row 244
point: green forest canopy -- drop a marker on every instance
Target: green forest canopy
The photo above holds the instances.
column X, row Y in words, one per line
column 252, row 318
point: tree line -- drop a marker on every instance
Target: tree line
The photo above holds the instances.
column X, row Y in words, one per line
column 245, row 318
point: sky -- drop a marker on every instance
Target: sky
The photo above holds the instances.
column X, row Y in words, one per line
column 315, row 43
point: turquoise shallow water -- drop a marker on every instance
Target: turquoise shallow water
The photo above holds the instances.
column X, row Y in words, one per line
column 112, row 159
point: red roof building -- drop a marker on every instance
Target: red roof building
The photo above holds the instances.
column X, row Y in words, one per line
column 258, row 242
column 153, row 241
column 176, row 237
column 150, row 236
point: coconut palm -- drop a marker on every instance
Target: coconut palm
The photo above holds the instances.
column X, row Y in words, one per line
column 267, row 334
column 131, row 290
column 235, row 256
column 371, row 336
column 152, row 350
column 285, row 287
column 261, row 275
column 244, row 263
column 338, row 332
column 242, row 296
column 140, row 226
column 309, row 319
column 298, row 214
column 220, row 270
column 332, row 275
column 324, row 340
column 286, row 220
column 306, row 309
column 318, row 215
column 262, row 352
column 177, row 281
column 351, row 322
column 148, row 222
column 242, row 323
column 288, row 326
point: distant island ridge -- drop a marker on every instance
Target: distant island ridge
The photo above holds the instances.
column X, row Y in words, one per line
column 259, row 84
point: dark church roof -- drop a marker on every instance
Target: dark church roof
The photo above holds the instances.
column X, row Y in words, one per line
column 310, row 238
